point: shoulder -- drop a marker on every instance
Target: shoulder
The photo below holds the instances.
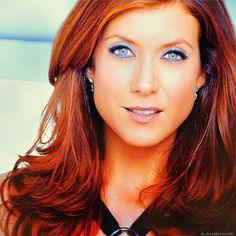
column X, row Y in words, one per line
column 2, row 178
column 3, row 211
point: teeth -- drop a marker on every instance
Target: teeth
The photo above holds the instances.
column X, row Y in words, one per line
column 147, row 112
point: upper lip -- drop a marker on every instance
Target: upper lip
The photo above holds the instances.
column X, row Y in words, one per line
column 147, row 108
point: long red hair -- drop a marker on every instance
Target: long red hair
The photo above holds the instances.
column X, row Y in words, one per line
column 56, row 191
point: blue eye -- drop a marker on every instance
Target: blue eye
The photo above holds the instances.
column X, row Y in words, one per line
column 121, row 51
column 174, row 55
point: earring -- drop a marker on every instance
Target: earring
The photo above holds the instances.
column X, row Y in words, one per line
column 92, row 84
column 195, row 94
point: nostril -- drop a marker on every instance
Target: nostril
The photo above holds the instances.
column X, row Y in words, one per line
column 145, row 84
column 145, row 89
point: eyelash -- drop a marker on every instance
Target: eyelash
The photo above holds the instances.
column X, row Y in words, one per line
column 181, row 56
column 118, row 47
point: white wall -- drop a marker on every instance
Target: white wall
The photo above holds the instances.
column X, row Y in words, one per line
column 21, row 103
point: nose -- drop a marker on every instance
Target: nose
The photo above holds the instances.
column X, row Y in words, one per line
column 145, row 81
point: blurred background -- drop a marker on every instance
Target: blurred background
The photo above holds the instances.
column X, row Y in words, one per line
column 27, row 30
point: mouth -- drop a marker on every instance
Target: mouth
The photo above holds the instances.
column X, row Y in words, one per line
column 143, row 114
column 143, row 111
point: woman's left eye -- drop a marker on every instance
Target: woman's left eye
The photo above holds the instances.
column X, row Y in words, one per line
column 121, row 51
column 175, row 56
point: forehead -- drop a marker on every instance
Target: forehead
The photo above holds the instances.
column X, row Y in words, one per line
column 165, row 22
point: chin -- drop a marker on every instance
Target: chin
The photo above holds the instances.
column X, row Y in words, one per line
column 149, row 140
column 142, row 142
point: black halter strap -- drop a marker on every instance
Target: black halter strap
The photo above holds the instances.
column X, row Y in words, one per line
column 110, row 226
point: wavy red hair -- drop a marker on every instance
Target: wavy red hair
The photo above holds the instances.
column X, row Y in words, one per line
column 57, row 190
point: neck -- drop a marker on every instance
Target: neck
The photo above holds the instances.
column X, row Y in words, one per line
column 130, row 168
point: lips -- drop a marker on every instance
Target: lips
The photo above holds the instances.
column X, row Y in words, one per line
column 144, row 110
column 148, row 112
column 143, row 114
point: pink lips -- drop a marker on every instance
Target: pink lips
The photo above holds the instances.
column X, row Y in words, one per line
column 143, row 114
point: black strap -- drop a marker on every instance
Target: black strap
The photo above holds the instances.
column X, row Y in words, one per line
column 142, row 223
column 110, row 226
column 109, row 223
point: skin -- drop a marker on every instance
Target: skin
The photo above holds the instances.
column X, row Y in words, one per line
column 146, row 76
column 158, row 66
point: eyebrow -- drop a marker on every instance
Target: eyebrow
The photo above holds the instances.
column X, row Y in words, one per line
column 121, row 37
column 169, row 44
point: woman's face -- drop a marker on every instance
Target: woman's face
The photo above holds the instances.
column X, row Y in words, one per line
column 146, row 70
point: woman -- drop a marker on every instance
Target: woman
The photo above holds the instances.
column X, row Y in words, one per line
column 142, row 125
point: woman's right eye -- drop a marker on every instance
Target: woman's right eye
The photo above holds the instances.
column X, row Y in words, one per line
column 121, row 51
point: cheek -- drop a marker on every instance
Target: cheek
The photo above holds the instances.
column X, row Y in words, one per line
column 181, row 92
column 113, row 74
column 111, row 80
column 178, row 87
column 182, row 101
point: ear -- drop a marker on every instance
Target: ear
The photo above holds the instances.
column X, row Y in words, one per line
column 201, row 79
column 89, row 73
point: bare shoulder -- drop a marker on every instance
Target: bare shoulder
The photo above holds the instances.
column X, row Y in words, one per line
column 2, row 177
column 2, row 209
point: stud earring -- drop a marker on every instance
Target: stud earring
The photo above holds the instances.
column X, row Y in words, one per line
column 92, row 84
column 195, row 94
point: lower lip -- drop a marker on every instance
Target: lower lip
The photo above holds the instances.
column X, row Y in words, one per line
column 142, row 118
